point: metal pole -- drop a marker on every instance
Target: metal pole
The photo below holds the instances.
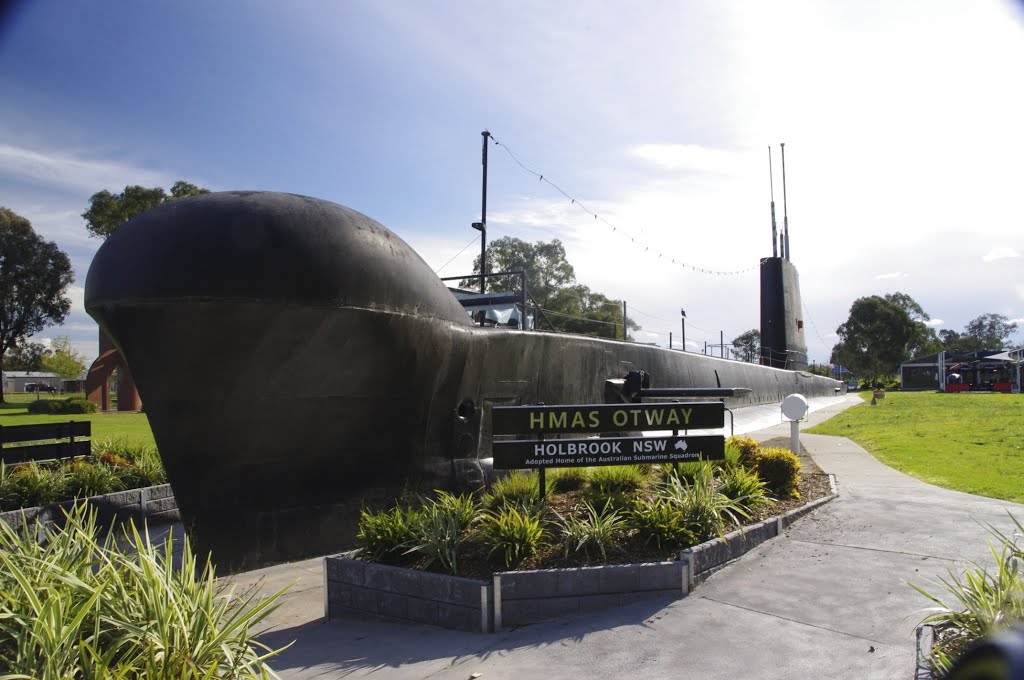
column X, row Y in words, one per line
column 721, row 342
column 771, row 183
column 682, row 344
column 785, row 210
column 483, row 220
column 670, row 339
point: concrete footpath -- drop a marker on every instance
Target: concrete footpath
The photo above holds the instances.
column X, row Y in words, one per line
column 829, row 599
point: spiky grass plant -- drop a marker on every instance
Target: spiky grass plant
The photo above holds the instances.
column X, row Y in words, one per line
column 744, row 487
column 618, row 478
column 590, row 528
column 440, row 531
column 707, row 512
column 519, row 488
column 981, row 601
column 567, row 479
column 387, row 535
column 515, row 535
column 661, row 522
column 77, row 605
column 84, row 479
column 31, row 484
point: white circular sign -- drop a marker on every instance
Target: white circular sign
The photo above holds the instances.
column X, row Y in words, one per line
column 794, row 407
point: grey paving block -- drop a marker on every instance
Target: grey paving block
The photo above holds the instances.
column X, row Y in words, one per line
column 347, row 570
column 580, row 581
column 393, row 605
column 516, row 585
column 619, row 578
column 461, row 618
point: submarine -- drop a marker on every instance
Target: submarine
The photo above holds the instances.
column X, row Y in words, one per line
column 298, row 361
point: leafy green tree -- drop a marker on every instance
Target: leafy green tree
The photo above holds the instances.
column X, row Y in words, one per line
column 63, row 360
column 34, row 278
column 109, row 211
column 551, row 282
column 988, row 331
column 747, row 346
column 879, row 335
column 25, row 356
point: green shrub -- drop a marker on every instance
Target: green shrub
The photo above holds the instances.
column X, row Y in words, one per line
column 77, row 606
column 745, row 449
column 71, row 406
column 84, row 479
column 780, row 470
column 744, row 487
column 684, row 471
column 517, row 488
column 79, row 405
column 30, row 485
column 45, row 407
column 566, row 479
column 516, row 535
column 440, row 530
column 590, row 529
column 386, row 536
column 662, row 522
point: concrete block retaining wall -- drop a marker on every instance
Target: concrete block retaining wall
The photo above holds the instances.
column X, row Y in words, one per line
column 520, row 597
column 357, row 587
column 154, row 504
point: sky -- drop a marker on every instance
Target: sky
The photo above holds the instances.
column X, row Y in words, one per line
column 901, row 121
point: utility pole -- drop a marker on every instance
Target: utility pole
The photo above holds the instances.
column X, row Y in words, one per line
column 481, row 226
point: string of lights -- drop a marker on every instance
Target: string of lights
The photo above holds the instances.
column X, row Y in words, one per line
column 578, row 318
column 807, row 313
column 474, row 240
column 597, row 218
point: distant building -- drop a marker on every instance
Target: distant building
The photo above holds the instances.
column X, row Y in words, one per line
column 17, row 381
column 987, row 370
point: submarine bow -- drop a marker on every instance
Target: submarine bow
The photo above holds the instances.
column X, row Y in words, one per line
column 296, row 359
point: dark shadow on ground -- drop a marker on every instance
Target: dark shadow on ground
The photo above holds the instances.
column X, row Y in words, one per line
column 346, row 646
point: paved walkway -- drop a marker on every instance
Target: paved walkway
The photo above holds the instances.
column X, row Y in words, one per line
column 827, row 600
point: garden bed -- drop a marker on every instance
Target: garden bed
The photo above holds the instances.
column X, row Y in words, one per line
column 600, row 537
column 493, row 601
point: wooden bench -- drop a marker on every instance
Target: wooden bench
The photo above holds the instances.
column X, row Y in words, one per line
column 47, row 441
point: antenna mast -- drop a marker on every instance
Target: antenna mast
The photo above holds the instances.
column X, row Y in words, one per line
column 771, row 184
column 785, row 213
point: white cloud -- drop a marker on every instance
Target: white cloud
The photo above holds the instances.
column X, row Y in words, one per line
column 1000, row 253
column 935, row 322
column 65, row 171
column 893, row 275
column 686, row 157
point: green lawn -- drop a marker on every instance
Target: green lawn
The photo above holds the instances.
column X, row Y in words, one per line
column 967, row 442
column 133, row 427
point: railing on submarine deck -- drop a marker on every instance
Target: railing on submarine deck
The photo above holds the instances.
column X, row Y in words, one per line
column 482, row 300
column 637, row 385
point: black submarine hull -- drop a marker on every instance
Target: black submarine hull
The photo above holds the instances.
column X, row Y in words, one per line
column 297, row 360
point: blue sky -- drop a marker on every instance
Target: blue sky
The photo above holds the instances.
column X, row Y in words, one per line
column 901, row 121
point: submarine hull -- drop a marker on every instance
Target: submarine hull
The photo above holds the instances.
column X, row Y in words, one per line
column 294, row 373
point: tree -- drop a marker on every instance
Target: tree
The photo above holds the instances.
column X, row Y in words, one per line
column 551, row 283
column 747, row 346
column 109, row 211
column 988, row 331
column 64, row 360
column 34, row 278
column 25, row 356
column 879, row 335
